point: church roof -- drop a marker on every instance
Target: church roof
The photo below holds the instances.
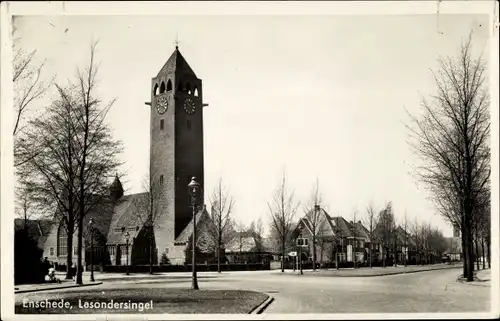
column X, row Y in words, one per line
column 176, row 63
column 127, row 217
column 201, row 218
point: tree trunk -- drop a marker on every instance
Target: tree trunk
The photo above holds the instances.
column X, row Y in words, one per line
column 321, row 249
column 477, row 252
column 336, row 256
column 464, row 247
column 482, row 250
column 79, row 267
column 283, row 255
column 370, row 253
column 69, row 254
column 218, row 257
column 150, row 253
column 489, row 252
column 470, row 254
column 314, row 253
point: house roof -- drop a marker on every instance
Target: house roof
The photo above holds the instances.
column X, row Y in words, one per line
column 38, row 229
column 127, row 217
column 246, row 241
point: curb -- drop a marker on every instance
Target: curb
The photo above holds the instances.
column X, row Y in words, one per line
column 261, row 307
column 59, row 287
column 386, row 274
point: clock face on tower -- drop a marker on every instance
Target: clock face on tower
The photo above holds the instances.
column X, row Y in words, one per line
column 162, row 104
column 189, row 106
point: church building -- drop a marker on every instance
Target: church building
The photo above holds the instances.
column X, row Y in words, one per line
column 119, row 230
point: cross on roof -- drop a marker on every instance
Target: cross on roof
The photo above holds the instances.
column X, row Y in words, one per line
column 177, row 41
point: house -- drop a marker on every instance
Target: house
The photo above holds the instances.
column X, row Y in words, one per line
column 247, row 247
column 334, row 236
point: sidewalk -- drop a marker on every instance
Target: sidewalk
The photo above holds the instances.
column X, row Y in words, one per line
column 374, row 271
column 23, row 288
column 481, row 278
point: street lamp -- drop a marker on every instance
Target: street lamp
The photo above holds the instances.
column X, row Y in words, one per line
column 127, row 237
column 193, row 188
column 91, row 225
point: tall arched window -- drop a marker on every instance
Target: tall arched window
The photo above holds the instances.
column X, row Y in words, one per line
column 162, row 87
column 195, row 92
column 155, row 90
column 188, row 89
column 169, row 85
column 62, row 240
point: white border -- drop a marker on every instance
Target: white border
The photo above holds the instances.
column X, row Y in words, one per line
column 231, row 8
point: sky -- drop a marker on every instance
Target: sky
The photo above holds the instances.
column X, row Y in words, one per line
column 321, row 97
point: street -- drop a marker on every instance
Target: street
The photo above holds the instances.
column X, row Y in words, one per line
column 432, row 291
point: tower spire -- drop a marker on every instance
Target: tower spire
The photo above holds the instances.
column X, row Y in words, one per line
column 176, row 41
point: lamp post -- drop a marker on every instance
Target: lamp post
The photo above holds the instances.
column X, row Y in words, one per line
column 127, row 237
column 193, row 188
column 91, row 225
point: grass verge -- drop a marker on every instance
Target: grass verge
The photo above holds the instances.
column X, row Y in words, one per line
column 154, row 300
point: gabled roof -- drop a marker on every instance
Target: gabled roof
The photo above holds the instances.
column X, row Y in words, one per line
column 341, row 226
column 246, row 241
column 127, row 217
column 176, row 63
column 202, row 217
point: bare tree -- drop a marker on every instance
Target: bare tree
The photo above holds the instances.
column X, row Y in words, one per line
column 282, row 210
column 53, row 170
column 451, row 139
column 76, row 156
column 29, row 84
column 384, row 230
column 371, row 221
column 97, row 150
column 257, row 229
column 405, row 242
column 312, row 211
column 354, row 232
column 150, row 208
column 221, row 209
column 417, row 236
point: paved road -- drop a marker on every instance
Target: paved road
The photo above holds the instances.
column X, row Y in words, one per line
column 433, row 291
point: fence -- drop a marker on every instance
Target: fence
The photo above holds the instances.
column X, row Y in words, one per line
column 186, row 268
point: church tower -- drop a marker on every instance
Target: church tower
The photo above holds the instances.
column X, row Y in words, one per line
column 176, row 147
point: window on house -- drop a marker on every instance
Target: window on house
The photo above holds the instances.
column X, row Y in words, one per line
column 111, row 250
column 195, row 92
column 74, row 250
column 62, row 241
column 169, row 85
column 51, row 251
column 161, row 124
